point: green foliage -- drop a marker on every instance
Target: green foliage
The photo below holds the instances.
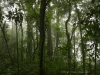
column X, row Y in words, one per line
column 24, row 13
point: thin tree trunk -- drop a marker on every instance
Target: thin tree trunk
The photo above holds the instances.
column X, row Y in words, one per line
column 90, row 66
column 74, row 55
column 68, row 39
column 49, row 43
column 17, row 50
column 29, row 37
column 21, row 46
column 96, row 45
column 49, row 36
column 37, row 43
column 57, row 33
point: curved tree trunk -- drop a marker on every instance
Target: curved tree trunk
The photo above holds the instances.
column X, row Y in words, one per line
column 68, row 40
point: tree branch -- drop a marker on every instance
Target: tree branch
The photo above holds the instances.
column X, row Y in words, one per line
column 66, row 23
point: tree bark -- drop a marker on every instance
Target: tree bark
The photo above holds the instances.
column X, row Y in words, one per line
column 42, row 34
column 95, row 61
column 29, row 36
column 17, row 49
column 68, row 39
column 49, row 43
column 57, row 32
column 74, row 54
column 21, row 46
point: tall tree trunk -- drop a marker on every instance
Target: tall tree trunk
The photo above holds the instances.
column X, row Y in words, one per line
column 36, row 44
column 74, row 55
column 17, row 49
column 68, row 39
column 29, row 37
column 49, row 39
column 42, row 34
column 57, row 32
column 49, row 35
column 21, row 46
column 95, row 61
column 90, row 65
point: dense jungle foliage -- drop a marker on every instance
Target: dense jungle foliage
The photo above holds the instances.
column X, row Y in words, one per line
column 49, row 37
